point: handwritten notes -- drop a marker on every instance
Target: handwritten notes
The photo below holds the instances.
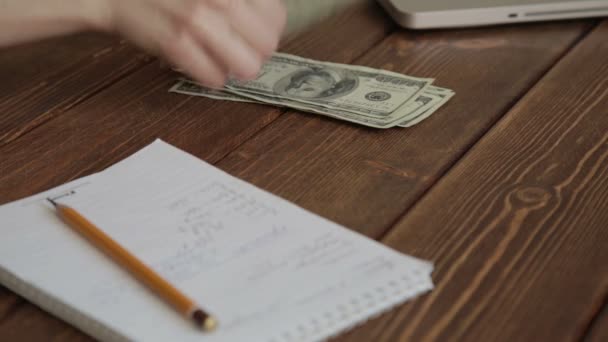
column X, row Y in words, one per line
column 267, row 269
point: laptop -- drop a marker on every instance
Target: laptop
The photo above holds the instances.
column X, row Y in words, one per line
column 428, row 14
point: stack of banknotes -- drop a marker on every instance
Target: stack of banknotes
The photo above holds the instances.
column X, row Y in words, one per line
column 358, row 94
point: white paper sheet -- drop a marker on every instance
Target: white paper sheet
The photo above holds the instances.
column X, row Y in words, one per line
column 265, row 268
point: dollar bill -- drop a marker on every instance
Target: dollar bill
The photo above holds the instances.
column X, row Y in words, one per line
column 362, row 95
column 424, row 105
column 357, row 89
column 440, row 98
column 192, row 88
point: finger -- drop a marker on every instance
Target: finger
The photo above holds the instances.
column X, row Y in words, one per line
column 274, row 12
column 143, row 25
column 255, row 28
column 213, row 30
column 158, row 31
column 187, row 54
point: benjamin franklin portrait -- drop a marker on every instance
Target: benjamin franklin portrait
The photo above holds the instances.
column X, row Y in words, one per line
column 317, row 83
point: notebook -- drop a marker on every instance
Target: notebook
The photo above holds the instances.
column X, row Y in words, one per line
column 267, row 269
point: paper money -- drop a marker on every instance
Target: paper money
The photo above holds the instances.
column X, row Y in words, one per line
column 362, row 95
column 440, row 97
column 192, row 88
column 356, row 89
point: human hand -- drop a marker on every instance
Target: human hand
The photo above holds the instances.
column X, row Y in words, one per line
column 207, row 39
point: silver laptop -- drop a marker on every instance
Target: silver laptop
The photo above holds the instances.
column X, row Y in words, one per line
column 422, row 14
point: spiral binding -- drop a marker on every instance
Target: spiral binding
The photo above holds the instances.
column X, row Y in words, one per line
column 357, row 309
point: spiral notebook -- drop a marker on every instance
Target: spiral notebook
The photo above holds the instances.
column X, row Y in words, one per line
column 267, row 269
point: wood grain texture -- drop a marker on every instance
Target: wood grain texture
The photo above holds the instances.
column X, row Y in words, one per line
column 8, row 302
column 598, row 331
column 518, row 229
column 365, row 178
column 133, row 112
column 34, row 61
column 42, row 80
column 139, row 108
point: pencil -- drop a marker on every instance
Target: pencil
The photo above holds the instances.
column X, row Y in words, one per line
column 170, row 294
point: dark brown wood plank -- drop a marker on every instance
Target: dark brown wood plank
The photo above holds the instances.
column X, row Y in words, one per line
column 364, row 178
column 598, row 331
column 133, row 112
column 8, row 302
column 138, row 109
column 42, row 80
column 518, row 228
column 23, row 64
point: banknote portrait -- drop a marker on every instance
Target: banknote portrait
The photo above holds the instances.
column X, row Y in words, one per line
column 317, row 83
column 367, row 96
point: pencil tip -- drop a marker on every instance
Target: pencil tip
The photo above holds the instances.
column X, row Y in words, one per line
column 203, row 320
column 52, row 202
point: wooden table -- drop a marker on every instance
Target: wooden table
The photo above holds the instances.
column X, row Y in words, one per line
column 505, row 188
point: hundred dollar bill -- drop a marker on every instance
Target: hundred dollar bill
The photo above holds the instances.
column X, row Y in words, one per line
column 409, row 113
column 387, row 122
column 192, row 88
column 440, row 97
column 357, row 89
column 420, row 106
column 430, row 100
column 422, row 103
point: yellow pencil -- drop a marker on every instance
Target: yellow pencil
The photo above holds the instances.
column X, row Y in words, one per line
column 173, row 296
